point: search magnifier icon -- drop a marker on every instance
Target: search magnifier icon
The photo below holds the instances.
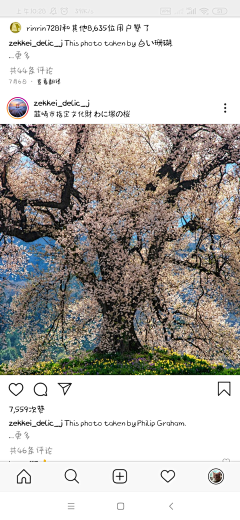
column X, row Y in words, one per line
column 71, row 475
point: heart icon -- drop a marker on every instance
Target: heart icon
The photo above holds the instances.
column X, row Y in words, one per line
column 16, row 389
column 167, row 475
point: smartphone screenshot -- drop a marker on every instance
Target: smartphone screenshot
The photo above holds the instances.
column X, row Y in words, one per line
column 119, row 260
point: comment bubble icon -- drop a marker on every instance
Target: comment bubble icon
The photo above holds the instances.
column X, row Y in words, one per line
column 40, row 389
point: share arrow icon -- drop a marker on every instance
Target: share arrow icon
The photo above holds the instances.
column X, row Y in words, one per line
column 65, row 387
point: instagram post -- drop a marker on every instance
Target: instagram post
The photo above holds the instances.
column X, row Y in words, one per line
column 119, row 257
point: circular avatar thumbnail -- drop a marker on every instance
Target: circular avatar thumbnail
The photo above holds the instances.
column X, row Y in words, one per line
column 216, row 476
column 17, row 107
column 15, row 27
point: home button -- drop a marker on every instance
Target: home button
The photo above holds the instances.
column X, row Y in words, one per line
column 24, row 477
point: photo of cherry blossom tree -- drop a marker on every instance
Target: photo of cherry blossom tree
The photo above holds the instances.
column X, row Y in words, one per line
column 119, row 241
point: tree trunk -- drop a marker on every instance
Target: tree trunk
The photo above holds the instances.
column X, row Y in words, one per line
column 117, row 333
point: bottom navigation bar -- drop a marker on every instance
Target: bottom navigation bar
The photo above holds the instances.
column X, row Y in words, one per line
column 119, row 505
column 126, row 476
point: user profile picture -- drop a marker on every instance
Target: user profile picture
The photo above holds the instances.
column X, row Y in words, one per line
column 216, row 476
column 17, row 107
column 15, row 27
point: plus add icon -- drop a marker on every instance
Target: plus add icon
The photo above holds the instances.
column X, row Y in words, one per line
column 120, row 476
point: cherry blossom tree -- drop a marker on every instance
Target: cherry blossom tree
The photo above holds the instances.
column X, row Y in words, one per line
column 142, row 235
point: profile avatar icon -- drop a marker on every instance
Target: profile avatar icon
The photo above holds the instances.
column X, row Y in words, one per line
column 15, row 27
column 17, row 107
column 216, row 476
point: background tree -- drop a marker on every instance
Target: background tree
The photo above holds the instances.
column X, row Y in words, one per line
column 144, row 230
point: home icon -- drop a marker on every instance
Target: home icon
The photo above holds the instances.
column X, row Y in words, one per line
column 23, row 477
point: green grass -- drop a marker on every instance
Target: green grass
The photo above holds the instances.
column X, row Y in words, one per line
column 150, row 362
